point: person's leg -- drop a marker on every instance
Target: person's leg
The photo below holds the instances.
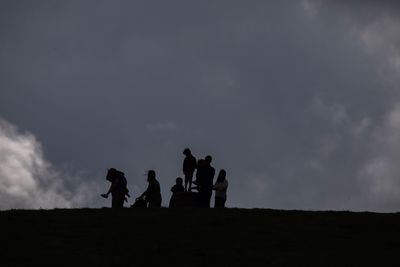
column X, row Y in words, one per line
column 121, row 203
column 223, row 202
column 208, row 198
column 158, row 202
column 218, row 202
column 114, row 202
column 186, row 181
column 197, row 200
column 189, row 178
column 202, row 199
column 155, row 203
column 117, row 202
column 172, row 201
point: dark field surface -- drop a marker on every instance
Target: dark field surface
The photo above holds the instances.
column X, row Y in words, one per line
column 197, row 237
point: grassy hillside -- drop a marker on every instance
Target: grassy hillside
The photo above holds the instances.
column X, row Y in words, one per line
column 197, row 237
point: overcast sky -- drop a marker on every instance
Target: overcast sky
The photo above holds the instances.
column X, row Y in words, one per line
column 298, row 100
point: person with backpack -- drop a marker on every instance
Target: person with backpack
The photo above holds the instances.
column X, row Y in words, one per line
column 152, row 195
column 220, row 187
column 118, row 188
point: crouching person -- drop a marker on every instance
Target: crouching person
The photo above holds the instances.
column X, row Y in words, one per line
column 176, row 190
column 152, row 195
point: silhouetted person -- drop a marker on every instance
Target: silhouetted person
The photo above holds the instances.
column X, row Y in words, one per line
column 118, row 188
column 153, row 193
column 176, row 189
column 199, row 173
column 189, row 166
column 220, row 187
column 205, row 182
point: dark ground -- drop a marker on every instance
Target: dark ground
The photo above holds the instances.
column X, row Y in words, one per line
column 198, row 237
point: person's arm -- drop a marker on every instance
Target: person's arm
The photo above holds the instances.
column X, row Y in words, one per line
column 112, row 186
column 127, row 192
column 193, row 164
column 143, row 194
column 217, row 187
column 110, row 189
column 147, row 192
column 221, row 186
column 184, row 166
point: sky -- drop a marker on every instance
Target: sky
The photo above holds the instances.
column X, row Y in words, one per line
column 297, row 100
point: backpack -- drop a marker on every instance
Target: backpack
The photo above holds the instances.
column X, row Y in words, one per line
column 124, row 184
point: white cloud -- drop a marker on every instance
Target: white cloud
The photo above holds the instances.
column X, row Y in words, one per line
column 336, row 113
column 380, row 175
column 258, row 184
column 362, row 127
column 28, row 180
column 381, row 39
column 374, row 24
column 311, row 7
column 375, row 28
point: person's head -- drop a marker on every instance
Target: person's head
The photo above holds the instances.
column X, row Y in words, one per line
column 187, row 152
column 208, row 159
column 179, row 181
column 151, row 175
column 221, row 176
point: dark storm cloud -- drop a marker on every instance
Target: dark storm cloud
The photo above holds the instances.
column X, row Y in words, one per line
column 290, row 103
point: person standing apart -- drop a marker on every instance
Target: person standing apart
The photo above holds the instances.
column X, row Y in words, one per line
column 152, row 194
column 189, row 166
column 220, row 187
column 118, row 188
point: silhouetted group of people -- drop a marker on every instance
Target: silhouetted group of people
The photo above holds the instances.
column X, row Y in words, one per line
column 182, row 194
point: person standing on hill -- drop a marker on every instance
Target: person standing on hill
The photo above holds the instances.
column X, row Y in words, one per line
column 152, row 194
column 199, row 172
column 189, row 166
column 220, row 187
column 206, row 182
column 118, row 188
